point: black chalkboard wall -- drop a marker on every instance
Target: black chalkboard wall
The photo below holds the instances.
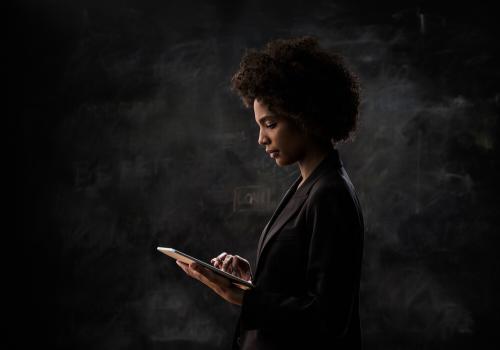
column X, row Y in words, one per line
column 129, row 138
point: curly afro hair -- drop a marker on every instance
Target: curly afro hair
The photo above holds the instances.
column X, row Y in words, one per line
column 298, row 79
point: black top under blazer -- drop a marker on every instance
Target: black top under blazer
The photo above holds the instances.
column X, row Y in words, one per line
column 308, row 268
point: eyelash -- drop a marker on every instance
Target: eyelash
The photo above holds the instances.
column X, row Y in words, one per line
column 271, row 126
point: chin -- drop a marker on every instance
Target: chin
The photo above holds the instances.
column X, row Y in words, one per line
column 282, row 162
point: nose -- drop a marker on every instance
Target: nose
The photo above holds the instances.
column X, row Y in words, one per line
column 263, row 139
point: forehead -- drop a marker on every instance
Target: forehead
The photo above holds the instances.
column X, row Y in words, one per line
column 261, row 111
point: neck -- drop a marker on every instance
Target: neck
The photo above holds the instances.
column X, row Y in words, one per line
column 310, row 161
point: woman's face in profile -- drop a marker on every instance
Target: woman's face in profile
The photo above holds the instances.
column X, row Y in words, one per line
column 282, row 139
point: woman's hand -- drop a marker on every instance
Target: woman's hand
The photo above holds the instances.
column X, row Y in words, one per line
column 233, row 264
column 220, row 285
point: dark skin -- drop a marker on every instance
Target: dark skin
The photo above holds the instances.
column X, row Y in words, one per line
column 233, row 264
column 277, row 133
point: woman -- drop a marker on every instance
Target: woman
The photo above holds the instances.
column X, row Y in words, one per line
column 309, row 256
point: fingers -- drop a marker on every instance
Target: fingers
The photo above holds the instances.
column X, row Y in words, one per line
column 233, row 264
column 183, row 266
column 222, row 255
column 235, row 268
column 223, row 262
column 240, row 258
column 243, row 267
column 217, row 261
column 190, row 269
column 226, row 264
column 220, row 285
column 204, row 275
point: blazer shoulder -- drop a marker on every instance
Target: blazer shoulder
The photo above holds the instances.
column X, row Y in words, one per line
column 333, row 198
column 330, row 183
column 333, row 187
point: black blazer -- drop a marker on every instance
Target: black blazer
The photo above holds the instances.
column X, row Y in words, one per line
column 308, row 268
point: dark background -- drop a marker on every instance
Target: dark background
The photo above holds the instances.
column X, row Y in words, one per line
column 128, row 137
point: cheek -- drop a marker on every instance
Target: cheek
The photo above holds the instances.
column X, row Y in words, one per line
column 291, row 140
column 291, row 147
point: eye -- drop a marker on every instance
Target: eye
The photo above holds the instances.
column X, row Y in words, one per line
column 271, row 125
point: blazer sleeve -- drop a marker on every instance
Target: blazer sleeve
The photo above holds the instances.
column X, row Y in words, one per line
column 331, row 274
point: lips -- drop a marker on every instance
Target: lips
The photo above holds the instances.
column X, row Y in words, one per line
column 273, row 153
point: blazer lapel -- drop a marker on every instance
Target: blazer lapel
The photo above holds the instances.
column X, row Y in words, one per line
column 294, row 205
column 331, row 160
column 280, row 206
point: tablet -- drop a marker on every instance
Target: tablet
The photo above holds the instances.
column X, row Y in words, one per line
column 183, row 257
